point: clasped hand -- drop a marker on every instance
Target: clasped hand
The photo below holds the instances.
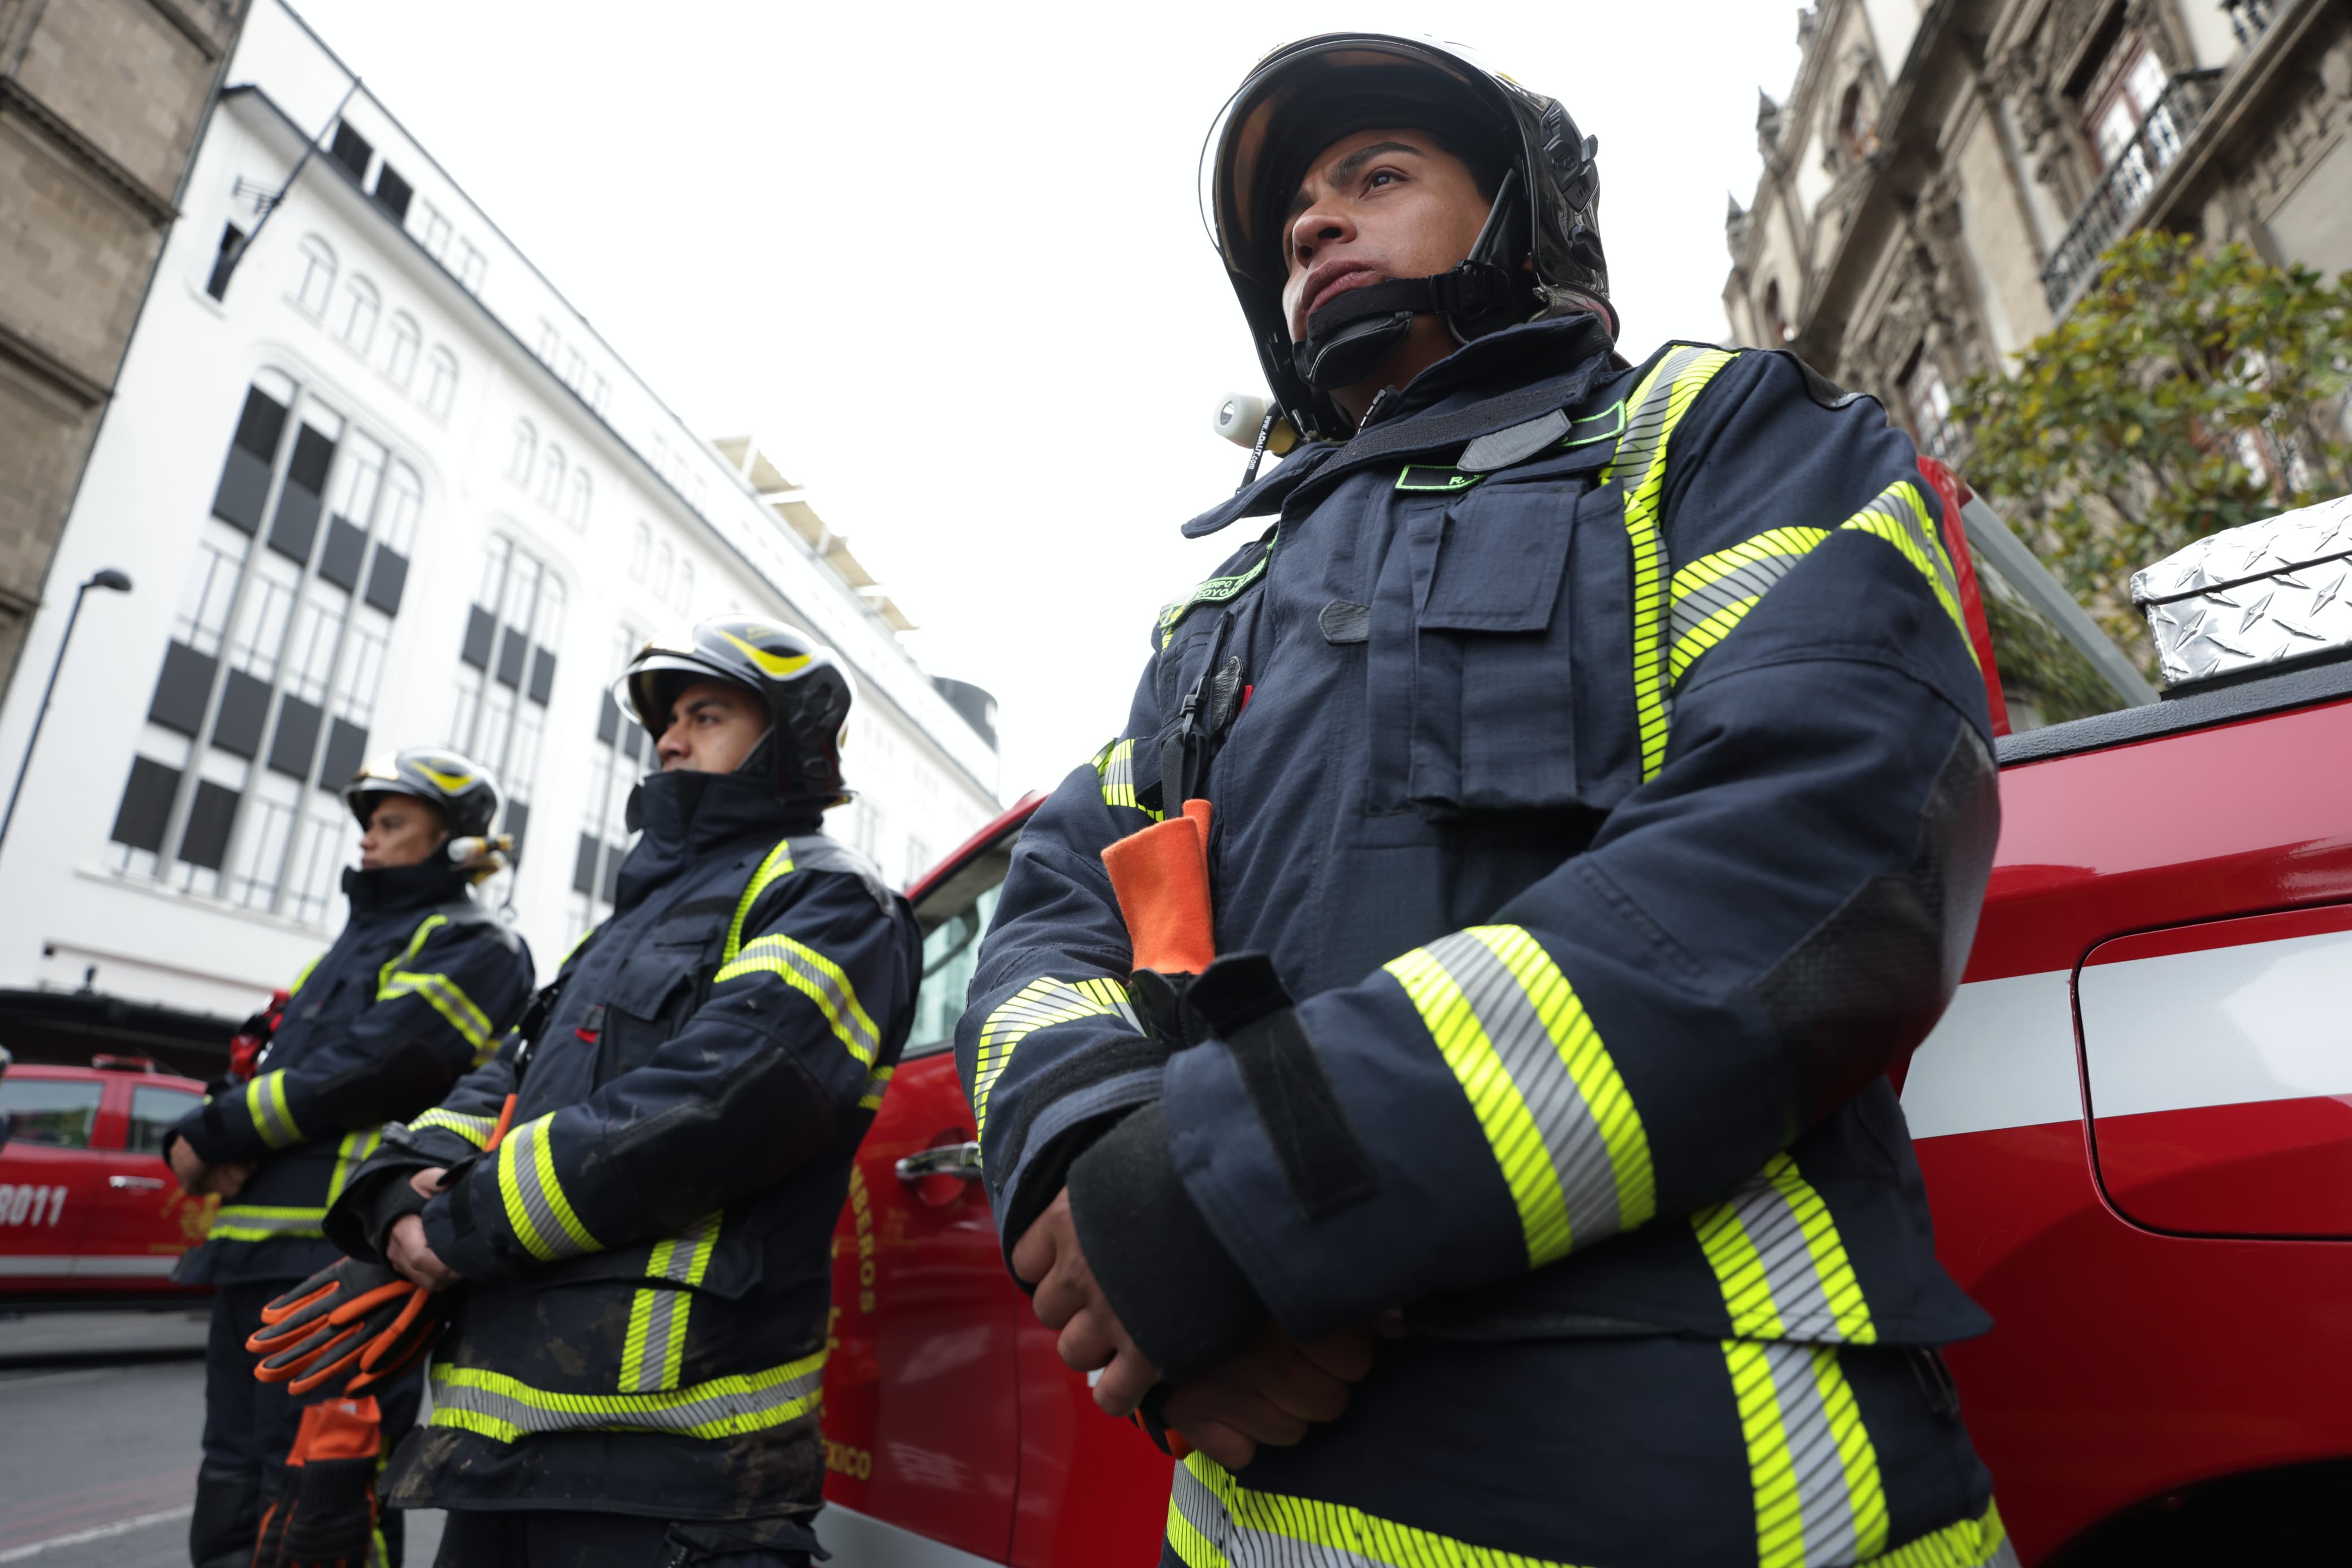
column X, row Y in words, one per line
column 1271, row 1392
column 411, row 1257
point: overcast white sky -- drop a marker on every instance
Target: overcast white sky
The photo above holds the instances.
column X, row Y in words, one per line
column 947, row 261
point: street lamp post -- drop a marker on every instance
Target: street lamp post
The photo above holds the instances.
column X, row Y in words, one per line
column 112, row 581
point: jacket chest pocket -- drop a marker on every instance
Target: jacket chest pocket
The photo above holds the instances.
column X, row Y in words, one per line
column 1491, row 702
column 648, row 1000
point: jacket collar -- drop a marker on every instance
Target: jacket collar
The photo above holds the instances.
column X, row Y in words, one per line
column 687, row 817
column 1558, row 360
column 390, row 889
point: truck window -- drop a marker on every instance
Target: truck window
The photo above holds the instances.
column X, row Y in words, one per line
column 153, row 1112
column 951, row 954
column 59, row 1113
column 2055, row 662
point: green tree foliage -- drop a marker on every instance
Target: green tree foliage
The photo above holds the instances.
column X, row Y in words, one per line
column 2187, row 391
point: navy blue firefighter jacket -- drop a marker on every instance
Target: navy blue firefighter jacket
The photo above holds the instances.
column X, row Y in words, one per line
column 1600, row 760
column 414, row 992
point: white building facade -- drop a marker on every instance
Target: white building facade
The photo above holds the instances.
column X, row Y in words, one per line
column 378, row 484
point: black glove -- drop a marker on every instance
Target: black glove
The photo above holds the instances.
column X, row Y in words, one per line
column 353, row 1319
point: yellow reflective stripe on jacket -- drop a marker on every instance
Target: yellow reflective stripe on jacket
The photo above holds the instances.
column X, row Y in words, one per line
column 1658, row 405
column 1810, row 1460
column 779, row 864
column 1547, row 1096
column 540, row 1214
column 1965, row 1543
column 1714, row 594
column 383, row 976
column 508, row 1410
column 877, row 1083
column 1116, row 763
column 655, row 1347
column 475, row 1130
column 817, row 977
column 264, row 1101
column 449, row 1000
column 1214, row 1522
column 300, row 978
column 348, row 1153
column 265, row 1222
column 1780, row 1261
column 1040, row 1004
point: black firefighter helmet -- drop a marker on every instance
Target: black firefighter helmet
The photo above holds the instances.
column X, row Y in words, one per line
column 461, row 789
column 806, row 691
column 1541, row 252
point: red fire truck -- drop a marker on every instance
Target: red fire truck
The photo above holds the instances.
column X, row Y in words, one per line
column 2136, row 1123
column 89, row 1215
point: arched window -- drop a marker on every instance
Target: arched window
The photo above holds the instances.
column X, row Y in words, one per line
column 400, row 363
column 360, row 305
column 1776, row 329
column 665, row 567
column 441, row 384
column 318, row 274
column 550, row 477
column 641, row 552
column 525, row 454
column 404, row 498
column 583, row 492
column 684, row 600
column 1857, row 127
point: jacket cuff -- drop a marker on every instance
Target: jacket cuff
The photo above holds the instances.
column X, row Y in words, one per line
column 1184, row 1300
column 463, row 1246
column 208, row 1133
column 361, row 1217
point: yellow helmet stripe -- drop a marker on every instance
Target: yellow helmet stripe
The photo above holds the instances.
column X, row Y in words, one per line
column 452, row 782
column 775, row 665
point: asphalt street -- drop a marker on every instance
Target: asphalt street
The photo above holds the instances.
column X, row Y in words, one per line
column 101, row 1414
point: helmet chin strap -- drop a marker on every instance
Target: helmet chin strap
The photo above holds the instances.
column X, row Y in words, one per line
column 1348, row 339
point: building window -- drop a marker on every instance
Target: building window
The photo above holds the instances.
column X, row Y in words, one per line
column 436, row 232
column 318, row 274
column 2123, row 93
column 641, row 552
column 273, row 662
column 549, row 342
column 665, row 568
column 601, row 392
column 552, row 475
column 1776, row 329
column 525, row 455
column 471, row 265
column 440, row 383
column 360, row 306
column 622, row 753
column 1857, row 126
column 507, row 671
column 683, row 599
column 575, row 511
column 1929, row 404
column 400, row 363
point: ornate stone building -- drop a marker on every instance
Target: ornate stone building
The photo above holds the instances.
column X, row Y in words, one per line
column 100, row 102
column 1941, row 179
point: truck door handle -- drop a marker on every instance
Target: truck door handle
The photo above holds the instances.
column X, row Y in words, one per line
column 142, row 1183
column 960, row 1160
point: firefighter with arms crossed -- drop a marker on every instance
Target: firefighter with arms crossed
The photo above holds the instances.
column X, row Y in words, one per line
column 414, row 992
column 1600, row 800
column 640, row 1266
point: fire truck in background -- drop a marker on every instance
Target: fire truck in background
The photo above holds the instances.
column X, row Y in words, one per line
column 2136, row 1121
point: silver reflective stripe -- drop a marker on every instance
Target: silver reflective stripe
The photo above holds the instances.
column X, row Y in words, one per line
column 1748, row 581
column 532, row 1410
column 1573, row 1139
column 1824, row 1499
column 1790, row 1275
column 848, row 1016
column 552, row 1234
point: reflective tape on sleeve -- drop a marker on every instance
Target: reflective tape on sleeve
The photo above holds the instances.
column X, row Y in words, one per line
column 1116, row 764
column 1040, row 1004
column 1815, row 1472
column 475, row 1130
column 1562, row 1128
column 264, row 1101
column 449, row 1000
column 877, row 1083
column 817, row 977
column 265, row 1222
column 349, row 1155
column 1781, row 1263
column 536, row 1208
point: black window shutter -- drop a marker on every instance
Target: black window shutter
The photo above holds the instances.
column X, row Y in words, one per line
column 245, row 477
column 298, row 738
column 146, row 804
column 182, row 689
column 517, row 827
column 339, row 563
column 244, row 709
column 204, row 843
column 391, row 192
column 583, row 865
column 613, row 856
column 295, row 529
column 386, row 579
column 542, row 675
column 232, row 238
column 632, row 741
column 352, row 151
column 608, row 721
column 511, row 644
column 480, row 626
column 346, row 749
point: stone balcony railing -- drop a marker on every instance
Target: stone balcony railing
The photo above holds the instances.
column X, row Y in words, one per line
column 2120, row 195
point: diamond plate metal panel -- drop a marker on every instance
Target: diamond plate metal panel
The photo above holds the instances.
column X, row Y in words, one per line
column 2280, row 589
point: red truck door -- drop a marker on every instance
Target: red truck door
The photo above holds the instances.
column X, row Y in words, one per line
column 49, row 1173
column 921, row 1413
column 140, row 1220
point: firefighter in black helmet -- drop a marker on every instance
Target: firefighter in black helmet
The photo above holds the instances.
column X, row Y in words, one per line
column 640, row 1263
column 414, row 992
column 1589, row 771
